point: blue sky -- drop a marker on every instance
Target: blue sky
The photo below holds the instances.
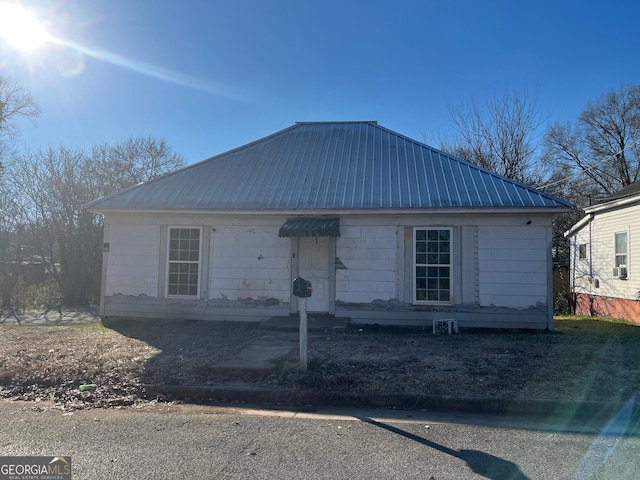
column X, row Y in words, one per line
column 211, row 75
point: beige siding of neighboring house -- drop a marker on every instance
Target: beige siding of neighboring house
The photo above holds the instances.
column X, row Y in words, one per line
column 582, row 268
column 594, row 274
column 596, row 290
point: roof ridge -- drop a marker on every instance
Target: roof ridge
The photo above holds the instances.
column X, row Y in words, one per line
column 373, row 122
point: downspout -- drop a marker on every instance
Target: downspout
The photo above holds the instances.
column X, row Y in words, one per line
column 591, row 280
column 590, row 258
column 105, row 262
column 550, row 302
column 588, row 218
column 572, row 264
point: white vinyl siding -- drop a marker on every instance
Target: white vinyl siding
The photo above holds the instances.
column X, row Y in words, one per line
column 605, row 258
column 183, row 261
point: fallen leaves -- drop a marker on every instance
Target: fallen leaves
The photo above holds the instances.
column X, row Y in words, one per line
column 31, row 369
column 49, row 363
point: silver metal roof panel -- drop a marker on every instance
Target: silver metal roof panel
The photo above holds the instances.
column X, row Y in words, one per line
column 329, row 165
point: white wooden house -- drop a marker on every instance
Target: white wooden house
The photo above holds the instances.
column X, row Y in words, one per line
column 605, row 257
column 387, row 229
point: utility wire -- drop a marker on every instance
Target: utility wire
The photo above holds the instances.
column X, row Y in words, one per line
column 585, row 170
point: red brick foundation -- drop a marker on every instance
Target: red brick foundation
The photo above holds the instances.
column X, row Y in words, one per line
column 599, row 306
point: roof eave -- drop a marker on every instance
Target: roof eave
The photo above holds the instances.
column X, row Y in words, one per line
column 344, row 211
column 593, row 210
column 579, row 225
column 621, row 202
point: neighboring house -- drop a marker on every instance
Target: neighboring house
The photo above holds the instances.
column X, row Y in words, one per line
column 605, row 257
column 387, row 229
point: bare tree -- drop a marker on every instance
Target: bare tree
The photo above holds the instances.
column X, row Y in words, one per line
column 41, row 198
column 132, row 161
column 14, row 104
column 56, row 183
column 13, row 224
column 602, row 145
column 500, row 135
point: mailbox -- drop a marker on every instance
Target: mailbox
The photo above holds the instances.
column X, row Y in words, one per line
column 301, row 287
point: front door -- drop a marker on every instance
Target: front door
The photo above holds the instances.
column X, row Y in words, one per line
column 314, row 265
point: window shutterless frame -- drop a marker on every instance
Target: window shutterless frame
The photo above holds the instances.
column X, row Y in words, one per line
column 621, row 250
column 582, row 251
column 184, row 261
column 432, row 265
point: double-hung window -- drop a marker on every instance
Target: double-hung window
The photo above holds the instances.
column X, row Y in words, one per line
column 184, row 254
column 621, row 253
column 432, row 265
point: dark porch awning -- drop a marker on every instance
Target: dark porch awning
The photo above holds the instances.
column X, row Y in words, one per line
column 310, row 227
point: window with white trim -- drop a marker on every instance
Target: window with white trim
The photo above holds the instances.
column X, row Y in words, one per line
column 582, row 251
column 184, row 254
column 432, row 265
column 621, row 252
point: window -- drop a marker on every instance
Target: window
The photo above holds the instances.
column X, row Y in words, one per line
column 621, row 252
column 582, row 251
column 184, row 254
column 432, row 265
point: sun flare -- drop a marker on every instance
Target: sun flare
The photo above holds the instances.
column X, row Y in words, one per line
column 20, row 28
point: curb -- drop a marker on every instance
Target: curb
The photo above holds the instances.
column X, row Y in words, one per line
column 258, row 395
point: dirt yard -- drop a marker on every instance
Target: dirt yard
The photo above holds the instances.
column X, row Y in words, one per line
column 581, row 360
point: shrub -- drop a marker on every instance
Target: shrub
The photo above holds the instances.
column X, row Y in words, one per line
column 38, row 296
column 561, row 305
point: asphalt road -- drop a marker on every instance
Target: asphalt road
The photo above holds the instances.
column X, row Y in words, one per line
column 196, row 442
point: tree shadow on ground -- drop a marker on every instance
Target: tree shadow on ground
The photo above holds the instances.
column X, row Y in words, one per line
column 481, row 463
column 188, row 350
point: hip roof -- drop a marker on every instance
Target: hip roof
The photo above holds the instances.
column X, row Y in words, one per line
column 329, row 165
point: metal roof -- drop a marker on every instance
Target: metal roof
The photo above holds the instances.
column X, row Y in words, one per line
column 310, row 227
column 329, row 165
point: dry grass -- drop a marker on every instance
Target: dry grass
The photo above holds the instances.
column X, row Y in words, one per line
column 50, row 362
column 584, row 359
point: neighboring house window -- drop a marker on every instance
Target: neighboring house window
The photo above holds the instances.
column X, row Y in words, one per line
column 184, row 262
column 432, row 265
column 621, row 249
column 582, row 251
